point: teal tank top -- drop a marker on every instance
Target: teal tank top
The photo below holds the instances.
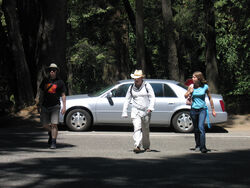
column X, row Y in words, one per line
column 198, row 97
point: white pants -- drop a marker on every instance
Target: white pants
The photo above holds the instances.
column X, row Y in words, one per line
column 141, row 131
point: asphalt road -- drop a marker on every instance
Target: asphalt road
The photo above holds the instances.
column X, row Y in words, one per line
column 104, row 158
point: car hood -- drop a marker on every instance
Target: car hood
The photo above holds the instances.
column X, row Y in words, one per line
column 71, row 97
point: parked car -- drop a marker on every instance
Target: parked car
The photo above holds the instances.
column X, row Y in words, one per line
column 105, row 107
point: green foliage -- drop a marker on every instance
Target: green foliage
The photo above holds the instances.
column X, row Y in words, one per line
column 2, row 18
column 232, row 28
column 87, row 61
column 12, row 99
column 189, row 20
column 91, row 41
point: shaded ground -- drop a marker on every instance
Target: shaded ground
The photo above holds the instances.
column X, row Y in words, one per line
column 217, row 169
column 213, row 170
column 26, row 118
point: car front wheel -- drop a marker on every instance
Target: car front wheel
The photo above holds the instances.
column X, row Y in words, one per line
column 78, row 120
column 182, row 122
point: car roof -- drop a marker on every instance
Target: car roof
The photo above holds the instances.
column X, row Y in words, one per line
column 150, row 80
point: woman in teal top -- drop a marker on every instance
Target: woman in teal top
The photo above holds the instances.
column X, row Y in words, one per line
column 198, row 111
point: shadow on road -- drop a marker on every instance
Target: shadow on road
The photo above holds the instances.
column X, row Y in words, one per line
column 209, row 170
column 18, row 134
column 229, row 169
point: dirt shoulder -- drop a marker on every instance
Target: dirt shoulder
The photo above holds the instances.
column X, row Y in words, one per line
column 28, row 117
column 237, row 122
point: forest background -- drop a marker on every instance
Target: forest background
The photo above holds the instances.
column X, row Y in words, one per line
column 96, row 43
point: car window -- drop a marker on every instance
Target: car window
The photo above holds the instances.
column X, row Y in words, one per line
column 168, row 91
column 157, row 89
column 121, row 91
column 101, row 91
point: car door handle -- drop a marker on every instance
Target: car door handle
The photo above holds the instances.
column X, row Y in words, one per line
column 171, row 103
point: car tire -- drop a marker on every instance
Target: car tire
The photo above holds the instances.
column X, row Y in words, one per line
column 182, row 122
column 78, row 120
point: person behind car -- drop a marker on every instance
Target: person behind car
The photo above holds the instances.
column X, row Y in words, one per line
column 52, row 89
column 199, row 110
column 142, row 97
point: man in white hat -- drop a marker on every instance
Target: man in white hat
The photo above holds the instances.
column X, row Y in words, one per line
column 142, row 97
column 52, row 88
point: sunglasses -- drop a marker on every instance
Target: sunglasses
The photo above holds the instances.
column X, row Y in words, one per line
column 53, row 70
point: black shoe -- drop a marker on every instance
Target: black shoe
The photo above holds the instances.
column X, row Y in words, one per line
column 50, row 138
column 53, row 144
column 204, row 150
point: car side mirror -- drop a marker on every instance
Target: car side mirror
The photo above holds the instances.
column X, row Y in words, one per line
column 109, row 97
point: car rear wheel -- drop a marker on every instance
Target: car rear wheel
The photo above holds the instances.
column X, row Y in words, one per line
column 182, row 122
column 78, row 120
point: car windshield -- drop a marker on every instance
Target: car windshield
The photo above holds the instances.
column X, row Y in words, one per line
column 101, row 91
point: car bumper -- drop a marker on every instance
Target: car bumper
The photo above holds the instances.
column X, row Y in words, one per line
column 221, row 117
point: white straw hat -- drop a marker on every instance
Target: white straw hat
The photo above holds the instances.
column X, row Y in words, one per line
column 137, row 74
column 53, row 66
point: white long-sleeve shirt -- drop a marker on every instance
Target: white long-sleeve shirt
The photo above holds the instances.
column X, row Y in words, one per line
column 142, row 99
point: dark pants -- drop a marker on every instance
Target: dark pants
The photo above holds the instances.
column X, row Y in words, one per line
column 198, row 117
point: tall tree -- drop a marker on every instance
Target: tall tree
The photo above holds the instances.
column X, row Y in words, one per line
column 140, row 47
column 29, row 13
column 149, row 68
column 51, row 38
column 211, row 62
column 121, row 45
column 36, row 36
column 131, row 15
column 24, row 91
column 173, row 68
column 53, row 34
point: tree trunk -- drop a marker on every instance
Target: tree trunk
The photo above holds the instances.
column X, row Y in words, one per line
column 173, row 68
column 24, row 95
column 52, row 34
column 3, row 51
column 121, row 46
column 29, row 12
column 131, row 15
column 140, row 48
column 211, row 62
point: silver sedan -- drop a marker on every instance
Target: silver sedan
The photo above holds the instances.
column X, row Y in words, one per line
column 105, row 107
